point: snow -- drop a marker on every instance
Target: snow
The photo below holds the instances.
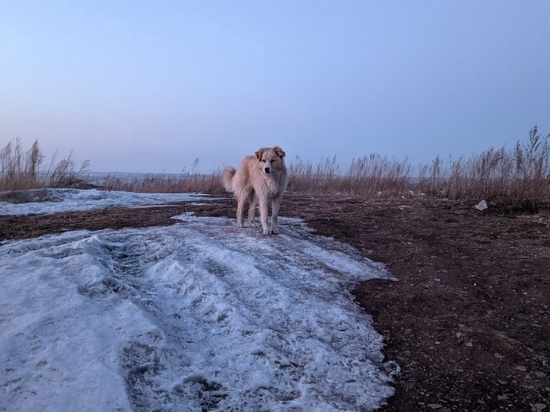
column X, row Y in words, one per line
column 47, row 201
column 199, row 315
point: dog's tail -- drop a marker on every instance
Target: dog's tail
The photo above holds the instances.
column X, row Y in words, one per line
column 227, row 178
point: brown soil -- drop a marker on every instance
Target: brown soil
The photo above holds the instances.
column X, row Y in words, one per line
column 468, row 320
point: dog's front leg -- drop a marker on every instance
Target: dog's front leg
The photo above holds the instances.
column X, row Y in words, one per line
column 275, row 206
column 264, row 209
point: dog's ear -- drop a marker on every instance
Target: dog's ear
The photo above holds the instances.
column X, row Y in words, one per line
column 280, row 152
column 259, row 154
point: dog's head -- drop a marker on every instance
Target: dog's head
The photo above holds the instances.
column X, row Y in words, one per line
column 271, row 159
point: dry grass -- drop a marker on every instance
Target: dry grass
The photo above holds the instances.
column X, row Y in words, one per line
column 519, row 177
column 513, row 178
column 20, row 169
column 185, row 182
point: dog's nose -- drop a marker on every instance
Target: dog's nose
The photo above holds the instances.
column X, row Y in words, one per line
column 267, row 170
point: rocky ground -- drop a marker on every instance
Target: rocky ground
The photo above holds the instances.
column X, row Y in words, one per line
column 468, row 319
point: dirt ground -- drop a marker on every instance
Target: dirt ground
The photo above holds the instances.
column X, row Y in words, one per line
column 468, row 319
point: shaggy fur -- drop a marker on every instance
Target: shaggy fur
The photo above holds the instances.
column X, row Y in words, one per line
column 259, row 179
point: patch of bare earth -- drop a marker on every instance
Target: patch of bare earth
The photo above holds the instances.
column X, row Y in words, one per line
column 468, row 320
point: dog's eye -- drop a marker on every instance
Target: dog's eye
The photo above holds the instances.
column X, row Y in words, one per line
column 263, row 160
column 273, row 160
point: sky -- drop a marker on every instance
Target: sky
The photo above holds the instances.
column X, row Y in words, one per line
column 198, row 315
column 143, row 86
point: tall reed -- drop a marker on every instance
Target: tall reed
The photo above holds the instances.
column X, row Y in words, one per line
column 517, row 176
column 20, row 169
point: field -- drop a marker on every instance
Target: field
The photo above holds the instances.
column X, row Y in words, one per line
column 468, row 320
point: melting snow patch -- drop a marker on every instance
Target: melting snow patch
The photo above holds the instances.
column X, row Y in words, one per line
column 195, row 316
column 46, row 201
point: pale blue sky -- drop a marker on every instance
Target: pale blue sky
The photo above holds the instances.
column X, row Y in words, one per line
column 148, row 86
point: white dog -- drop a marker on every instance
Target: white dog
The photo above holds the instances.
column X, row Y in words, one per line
column 261, row 178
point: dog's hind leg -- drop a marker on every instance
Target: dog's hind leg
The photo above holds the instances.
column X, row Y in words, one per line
column 252, row 210
column 241, row 201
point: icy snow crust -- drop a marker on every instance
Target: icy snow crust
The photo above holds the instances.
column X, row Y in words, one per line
column 195, row 316
column 47, row 201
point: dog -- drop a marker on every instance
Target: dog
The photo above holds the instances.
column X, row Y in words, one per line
column 262, row 179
